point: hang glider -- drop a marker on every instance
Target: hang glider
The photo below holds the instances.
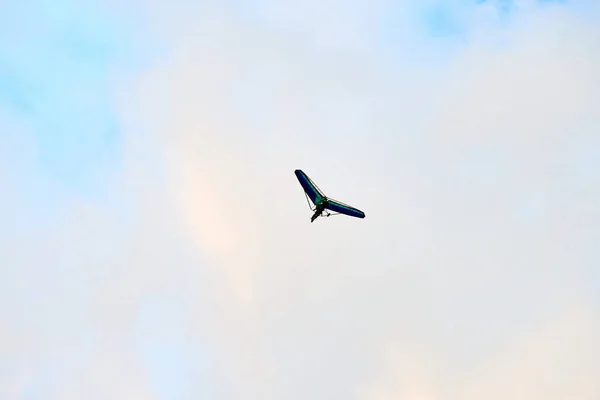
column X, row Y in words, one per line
column 322, row 203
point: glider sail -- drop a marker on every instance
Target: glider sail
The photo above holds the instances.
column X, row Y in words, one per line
column 323, row 202
column 338, row 206
column 314, row 193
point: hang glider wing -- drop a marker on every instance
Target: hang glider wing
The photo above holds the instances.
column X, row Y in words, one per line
column 338, row 206
column 312, row 191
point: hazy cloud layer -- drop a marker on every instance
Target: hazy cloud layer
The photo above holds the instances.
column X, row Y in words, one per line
column 473, row 275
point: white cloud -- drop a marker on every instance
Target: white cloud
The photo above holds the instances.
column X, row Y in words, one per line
column 556, row 360
column 448, row 244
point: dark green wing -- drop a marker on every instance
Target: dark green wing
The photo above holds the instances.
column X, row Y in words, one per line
column 312, row 191
column 338, row 206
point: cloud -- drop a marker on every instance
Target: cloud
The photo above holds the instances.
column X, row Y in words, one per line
column 446, row 167
column 554, row 361
column 468, row 276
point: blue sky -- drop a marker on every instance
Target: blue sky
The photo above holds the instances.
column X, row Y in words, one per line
column 155, row 243
column 55, row 76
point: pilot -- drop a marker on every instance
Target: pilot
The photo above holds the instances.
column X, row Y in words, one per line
column 319, row 210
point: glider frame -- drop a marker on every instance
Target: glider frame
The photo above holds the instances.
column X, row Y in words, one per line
column 325, row 213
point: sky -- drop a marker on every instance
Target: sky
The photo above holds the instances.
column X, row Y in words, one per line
column 156, row 244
